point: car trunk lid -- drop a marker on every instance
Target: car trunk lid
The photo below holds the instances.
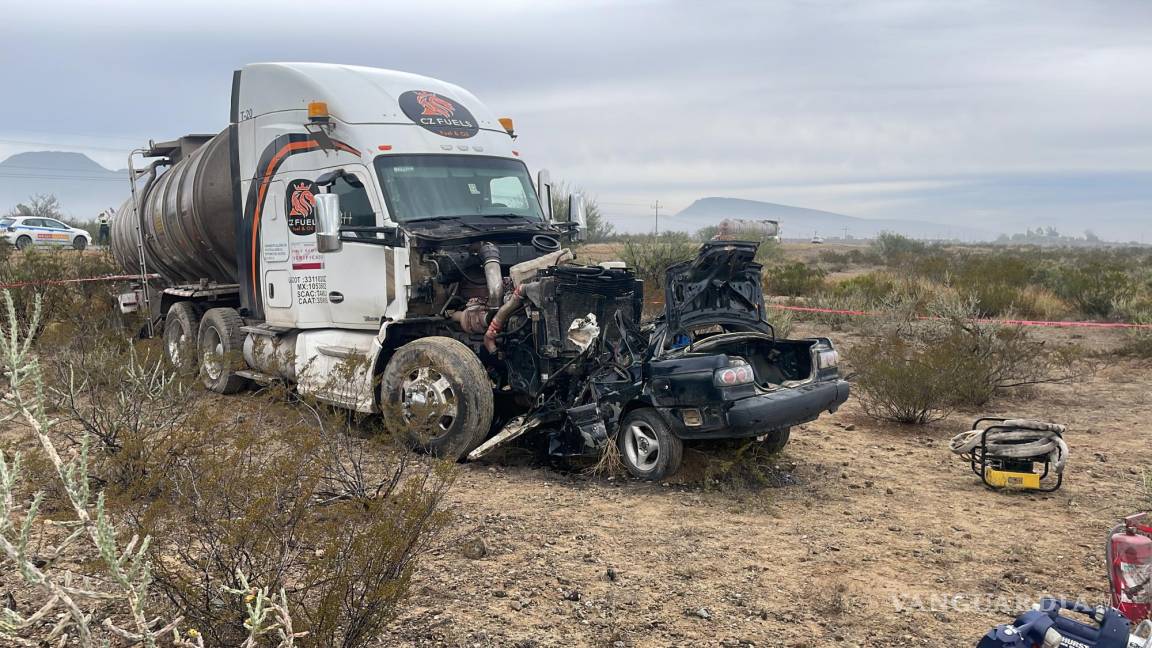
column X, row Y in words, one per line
column 720, row 286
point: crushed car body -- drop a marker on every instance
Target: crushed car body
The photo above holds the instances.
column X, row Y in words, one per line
column 709, row 367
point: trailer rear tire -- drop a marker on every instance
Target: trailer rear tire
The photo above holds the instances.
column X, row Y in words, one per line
column 775, row 440
column 221, row 342
column 181, row 334
column 648, row 448
column 436, row 393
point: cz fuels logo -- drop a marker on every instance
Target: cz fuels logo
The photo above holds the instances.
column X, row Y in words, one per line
column 301, row 207
column 438, row 114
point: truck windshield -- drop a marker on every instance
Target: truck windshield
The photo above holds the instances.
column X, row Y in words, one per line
column 420, row 187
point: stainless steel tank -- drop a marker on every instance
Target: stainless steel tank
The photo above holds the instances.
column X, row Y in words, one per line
column 187, row 216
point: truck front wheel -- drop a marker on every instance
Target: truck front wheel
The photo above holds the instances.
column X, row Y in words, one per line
column 221, row 350
column 648, row 448
column 436, row 393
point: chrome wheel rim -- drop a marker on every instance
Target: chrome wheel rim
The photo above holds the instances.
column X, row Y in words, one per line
column 214, row 355
column 430, row 403
column 641, row 446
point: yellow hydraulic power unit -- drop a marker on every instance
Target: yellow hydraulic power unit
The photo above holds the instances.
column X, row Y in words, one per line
column 1018, row 454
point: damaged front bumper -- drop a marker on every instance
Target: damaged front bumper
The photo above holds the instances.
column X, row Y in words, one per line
column 755, row 415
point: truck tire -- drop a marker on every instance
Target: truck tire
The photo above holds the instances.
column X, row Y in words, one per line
column 648, row 448
column 775, row 440
column 181, row 331
column 436, row 393
column 79, row 243
column 23, row 242
column 220, row 342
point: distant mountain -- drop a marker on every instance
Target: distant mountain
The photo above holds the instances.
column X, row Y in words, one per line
column 83, row 187
column 802, row 223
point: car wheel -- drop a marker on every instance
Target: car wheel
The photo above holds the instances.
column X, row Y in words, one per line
column 181, row 328
column 648, row 448
column 775, row 440
column 220, row 342
column 436, row 393
column 23, row 242
column 79, row 242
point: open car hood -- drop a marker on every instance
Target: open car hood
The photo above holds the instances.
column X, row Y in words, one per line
column 720, row 286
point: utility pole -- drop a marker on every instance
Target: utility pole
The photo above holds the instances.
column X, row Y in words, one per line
column 845, row 232
column 656, row 206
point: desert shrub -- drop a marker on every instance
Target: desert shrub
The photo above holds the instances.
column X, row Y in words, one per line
column 901, row 381
column 650, row 256
column 127, row 404
column 836, row 301
column 856, row 256
column 269, row 497
column 250, row 498
column 917, row 371
column 782, row 321
column 872, row 287
column 58, row 302
column 1094, row 286
column 793, row 279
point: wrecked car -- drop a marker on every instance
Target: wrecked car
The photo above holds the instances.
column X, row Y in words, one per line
column 709, row 367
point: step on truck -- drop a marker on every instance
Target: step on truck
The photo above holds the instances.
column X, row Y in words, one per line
column 373, row 239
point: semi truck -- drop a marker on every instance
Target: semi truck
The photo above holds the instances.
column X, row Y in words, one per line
column 373, row 238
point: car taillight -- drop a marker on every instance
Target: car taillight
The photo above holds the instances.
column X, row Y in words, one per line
column 827, row 359
column 738, row 372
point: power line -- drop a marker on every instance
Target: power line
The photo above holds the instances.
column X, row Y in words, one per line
column 5, row 165
column 136, row 140
column 66, row 146
column 61, row 177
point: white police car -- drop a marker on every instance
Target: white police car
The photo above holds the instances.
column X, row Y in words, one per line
column 23, row 231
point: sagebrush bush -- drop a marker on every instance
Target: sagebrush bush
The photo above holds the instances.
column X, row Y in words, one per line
column 782, row 321
column 1094, row 287
column 242, row 494
column 901, row 381
column 917, row 371
column 264, row 494
column 59, row 302
column 839, row 301
column 650, row 256
column 793, row 279
column 871, row 287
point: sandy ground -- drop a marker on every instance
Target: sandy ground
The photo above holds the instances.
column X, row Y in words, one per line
column 881, row 538
column 876, row 536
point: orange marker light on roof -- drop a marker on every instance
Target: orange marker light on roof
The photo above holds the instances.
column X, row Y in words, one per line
column 318, row 111
column 506, row 122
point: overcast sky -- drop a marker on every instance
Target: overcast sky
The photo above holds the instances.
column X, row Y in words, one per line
column 997, row 112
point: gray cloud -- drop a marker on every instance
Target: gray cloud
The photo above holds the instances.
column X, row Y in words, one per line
column 904, row 108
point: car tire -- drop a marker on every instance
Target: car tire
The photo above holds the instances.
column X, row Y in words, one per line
column 79, row 243
column 775, row 440
column 436, row 394
column 648, row 448
column 23, row 242
column 220, row 343
column 181, row 335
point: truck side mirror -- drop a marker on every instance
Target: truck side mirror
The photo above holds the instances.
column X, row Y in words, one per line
column 544, row 191
column 328, row 223
column 577, row 216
